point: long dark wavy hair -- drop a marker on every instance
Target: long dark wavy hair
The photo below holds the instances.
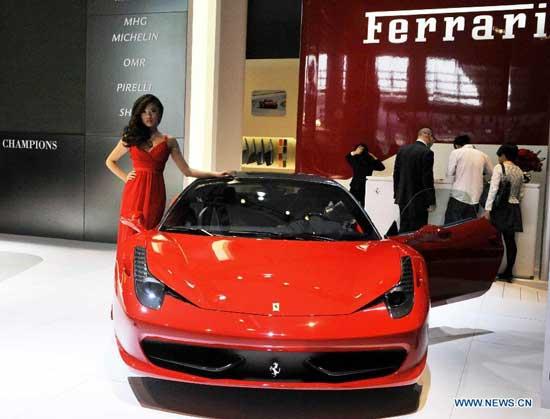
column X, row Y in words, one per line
column 136, row 133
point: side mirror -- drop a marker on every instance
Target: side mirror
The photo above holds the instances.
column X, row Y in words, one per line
column 393, row 230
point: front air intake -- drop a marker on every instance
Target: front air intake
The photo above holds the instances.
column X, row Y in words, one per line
column 239, row 364
column 399, row 300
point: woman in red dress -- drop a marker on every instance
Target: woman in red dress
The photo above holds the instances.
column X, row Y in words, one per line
column 144, row 194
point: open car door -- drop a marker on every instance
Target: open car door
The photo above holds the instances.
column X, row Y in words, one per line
column 463, row 256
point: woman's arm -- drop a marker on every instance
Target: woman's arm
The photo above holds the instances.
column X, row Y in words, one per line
column 353, row 161
column 112, row 159
column 521, row 191
column 182, row 165
column 495, row 182
column 376, row 163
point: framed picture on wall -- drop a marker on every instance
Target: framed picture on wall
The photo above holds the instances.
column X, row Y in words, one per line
column 269, row 103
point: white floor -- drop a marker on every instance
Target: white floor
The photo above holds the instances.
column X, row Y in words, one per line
column 58, row 358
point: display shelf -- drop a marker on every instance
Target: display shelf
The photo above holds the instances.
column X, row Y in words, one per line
column 263, row 168
column 268, row 154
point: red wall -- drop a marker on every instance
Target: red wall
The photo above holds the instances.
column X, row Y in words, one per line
column 382, row 93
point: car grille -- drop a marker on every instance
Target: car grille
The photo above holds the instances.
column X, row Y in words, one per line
column 273, row 366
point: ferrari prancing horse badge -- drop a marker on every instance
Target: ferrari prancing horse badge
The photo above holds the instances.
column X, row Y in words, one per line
column 275, row 369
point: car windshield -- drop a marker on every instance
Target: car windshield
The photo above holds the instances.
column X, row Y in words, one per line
column 269, row 208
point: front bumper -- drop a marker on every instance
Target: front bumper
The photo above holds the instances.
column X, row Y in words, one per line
column 263, row 340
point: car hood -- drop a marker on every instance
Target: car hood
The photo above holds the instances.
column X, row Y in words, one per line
column 274, row 277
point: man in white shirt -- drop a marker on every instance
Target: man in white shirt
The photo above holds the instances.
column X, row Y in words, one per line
column 468, row 166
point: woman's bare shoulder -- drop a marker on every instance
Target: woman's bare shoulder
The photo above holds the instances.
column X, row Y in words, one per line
column 171, row 141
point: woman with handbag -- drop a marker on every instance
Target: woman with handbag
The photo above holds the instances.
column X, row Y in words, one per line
column 502, row 207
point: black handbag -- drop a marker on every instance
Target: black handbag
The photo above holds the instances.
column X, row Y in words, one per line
column 503, row 193
column 260, row 155
column 269, row 153
column 252, row 156
column 245, row 152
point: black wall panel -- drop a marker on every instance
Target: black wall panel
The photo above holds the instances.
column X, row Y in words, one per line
column 42, row 185
column 273, row 28
column 132, row 49
column 131, row 55
column 65, row 190
column 104, row 190
column 43, row 66
column 111, row 7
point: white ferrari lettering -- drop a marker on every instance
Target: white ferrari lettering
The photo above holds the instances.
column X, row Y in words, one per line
column 450, row 21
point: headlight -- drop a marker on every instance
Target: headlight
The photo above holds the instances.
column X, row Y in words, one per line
column 399, row 300
column 149, row 290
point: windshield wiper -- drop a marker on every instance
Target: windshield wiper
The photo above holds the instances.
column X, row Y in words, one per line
column 278, row 235
column 260, row 234
column 269, row 234
column 313, row 236
column 200, row 231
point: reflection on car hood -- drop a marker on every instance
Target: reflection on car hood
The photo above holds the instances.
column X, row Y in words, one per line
column 274, row 277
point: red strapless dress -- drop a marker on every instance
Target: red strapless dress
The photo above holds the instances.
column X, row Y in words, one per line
column 144, row 197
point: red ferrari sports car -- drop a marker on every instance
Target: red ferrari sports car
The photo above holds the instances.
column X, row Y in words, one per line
column 282, row 281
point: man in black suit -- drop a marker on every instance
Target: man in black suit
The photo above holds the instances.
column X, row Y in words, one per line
column 413, row 181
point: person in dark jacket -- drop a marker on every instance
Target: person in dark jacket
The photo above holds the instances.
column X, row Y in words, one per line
column 363, row 164
column 413, row 182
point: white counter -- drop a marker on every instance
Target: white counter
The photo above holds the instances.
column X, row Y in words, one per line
column 383, row 211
